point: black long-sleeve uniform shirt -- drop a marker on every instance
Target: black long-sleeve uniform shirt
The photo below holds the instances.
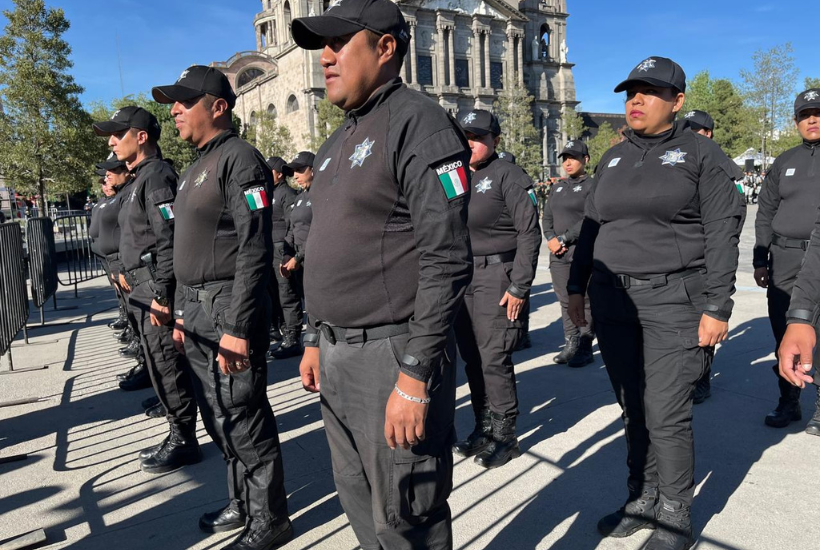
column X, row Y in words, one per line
column 564, row 211
column 503, row 217
column 146, row 226
column 299, row 220
column 106, row 215
column 661, row 205
column 283, row 196
column 223, row 227
column 389, row 241
column 788, row 201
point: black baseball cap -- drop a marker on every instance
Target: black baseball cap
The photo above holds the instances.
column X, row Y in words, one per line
column 277, row 164
column 576, row 149
column 101, row 172
column 111, row 163
column 700, row 120
column 129, row 117
column 304, row 158
column 480, row 122
column 509, row 157
column 810, row 99
column 344, row 17
column 657, row 71
column 194, row 82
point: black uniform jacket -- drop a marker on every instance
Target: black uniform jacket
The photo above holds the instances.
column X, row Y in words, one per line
column 564, row 211
column 143, row 226
column 788, row 202
column 299, row 220
column 389, row 240
column 503, row 217
column 662, row 206
column 283, row 196
column 223, row 230
column 106, row 216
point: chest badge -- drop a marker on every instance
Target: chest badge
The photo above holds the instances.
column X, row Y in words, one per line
column 577, row 188
column 200, row 179
column 559, row 189
column 790, row 172
column 673, row 158
column 484, row 185
column 182, row 185
column 363, row 150
column 324, row 165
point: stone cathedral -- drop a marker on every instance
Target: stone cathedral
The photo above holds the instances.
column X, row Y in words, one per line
column 462, row 53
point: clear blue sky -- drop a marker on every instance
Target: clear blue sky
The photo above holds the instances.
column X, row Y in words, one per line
column 158, row 39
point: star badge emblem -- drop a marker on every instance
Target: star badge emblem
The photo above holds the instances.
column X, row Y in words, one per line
column 469, row 118
column 200, row 179
column 484, row 185
column 570, row 144
column 334, row 4
column 183, row 75
column 577, row 188
column 673, row 157
column 811, row 95
column 363, row 150
column 690, row 114
column 646, row 65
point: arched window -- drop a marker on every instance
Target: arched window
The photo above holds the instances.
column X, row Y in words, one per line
column 254, row 119
column 544, row 40
column 287, row 15
column 293, row 104
column 272, row 110
column 250, row 74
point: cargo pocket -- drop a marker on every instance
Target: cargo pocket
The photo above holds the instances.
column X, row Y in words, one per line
column 419, row 482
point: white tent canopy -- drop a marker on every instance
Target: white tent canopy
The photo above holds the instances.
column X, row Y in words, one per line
column 752, row 153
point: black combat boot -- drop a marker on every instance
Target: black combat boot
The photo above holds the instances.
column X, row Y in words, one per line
column 788, row 408
column 150, row 402
column 583, row 355
column 139, row 379
column 263, row 536
column 813, row 427
column 121, row 322
column 181, row 449
column 125, row 336
column 157, row 411
column 504, row 446
column 570, row 347
column 481, row 437
column 148, row 452
column 674, row 528
column 638, row 513
column 225, row 519
column 703, row 389
column 131, row 350
column 276, row 333
column 290, row 346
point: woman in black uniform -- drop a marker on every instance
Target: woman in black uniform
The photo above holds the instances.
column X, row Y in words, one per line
column 503, row 223
column 787, row 208
column 659, row 240
column 563, row 215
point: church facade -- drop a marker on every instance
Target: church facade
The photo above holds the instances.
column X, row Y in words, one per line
column 462, row 53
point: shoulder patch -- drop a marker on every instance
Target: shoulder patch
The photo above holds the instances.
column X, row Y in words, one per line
column 533, row 198
column 167, row 210
column 453, row 178
column 614, row 162
column 257, row 198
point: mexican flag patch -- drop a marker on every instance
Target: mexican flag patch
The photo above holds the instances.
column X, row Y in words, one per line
column 453, row 179
column 257, row 198
column 533, row 198
column 167, row 211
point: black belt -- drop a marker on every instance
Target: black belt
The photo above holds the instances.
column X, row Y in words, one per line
column 201, row 293
column 115, row 257
column 335, row 334
column 492, row 259
column 625, row 281
column 784, row 242
column 138, row 276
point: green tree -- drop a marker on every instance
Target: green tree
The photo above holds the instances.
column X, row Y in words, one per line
column 46, row 141
column 573, row 123
column 601, row 143
column 328, row 119
column 519, row 135
column 270, row 138
column 811, row 83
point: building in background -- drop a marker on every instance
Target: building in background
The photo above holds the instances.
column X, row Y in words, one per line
column 462, row 53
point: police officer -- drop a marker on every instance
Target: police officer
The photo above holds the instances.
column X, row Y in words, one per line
column 223, row 250
column 787, row 208
column 284, row 294
column 146, row 250
column 298, row 218
column 563, row 215
column 387, row 264
column 659, row 240
column 503, row 224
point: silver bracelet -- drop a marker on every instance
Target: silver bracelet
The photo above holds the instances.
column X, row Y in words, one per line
column 411, row 398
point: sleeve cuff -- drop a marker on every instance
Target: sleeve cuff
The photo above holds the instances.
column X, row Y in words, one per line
column 575, row 289
column 311, row 340
column 517, row 292
column 413, row 368
column 802, row 316
column 237, row 331
column 716, row 312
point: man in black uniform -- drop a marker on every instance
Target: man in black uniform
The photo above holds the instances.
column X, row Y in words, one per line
column 223, row 250
column 787, row 208
column 146, row 250
column 658, row 252
column 563, row 216
column 387, row 265
column 504, row 232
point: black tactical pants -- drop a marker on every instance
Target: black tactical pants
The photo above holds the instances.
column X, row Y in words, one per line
column 169, row 371
column 649, row 342
column 559, row 270
column 235, row 408
column 394, row 499
column 486, row 339
column 290, row 291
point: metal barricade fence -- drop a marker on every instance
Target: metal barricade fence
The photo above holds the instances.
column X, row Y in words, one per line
column 42, row 261
column 79, row 264
column 13, row 295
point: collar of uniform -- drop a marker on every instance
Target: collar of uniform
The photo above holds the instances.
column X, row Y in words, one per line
column 811, row 144
column 579, row 179
column 119, row 189
column 379, row 96
column 145, row 162
column 487, row 162
column 678, row 128
column 216, row 142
